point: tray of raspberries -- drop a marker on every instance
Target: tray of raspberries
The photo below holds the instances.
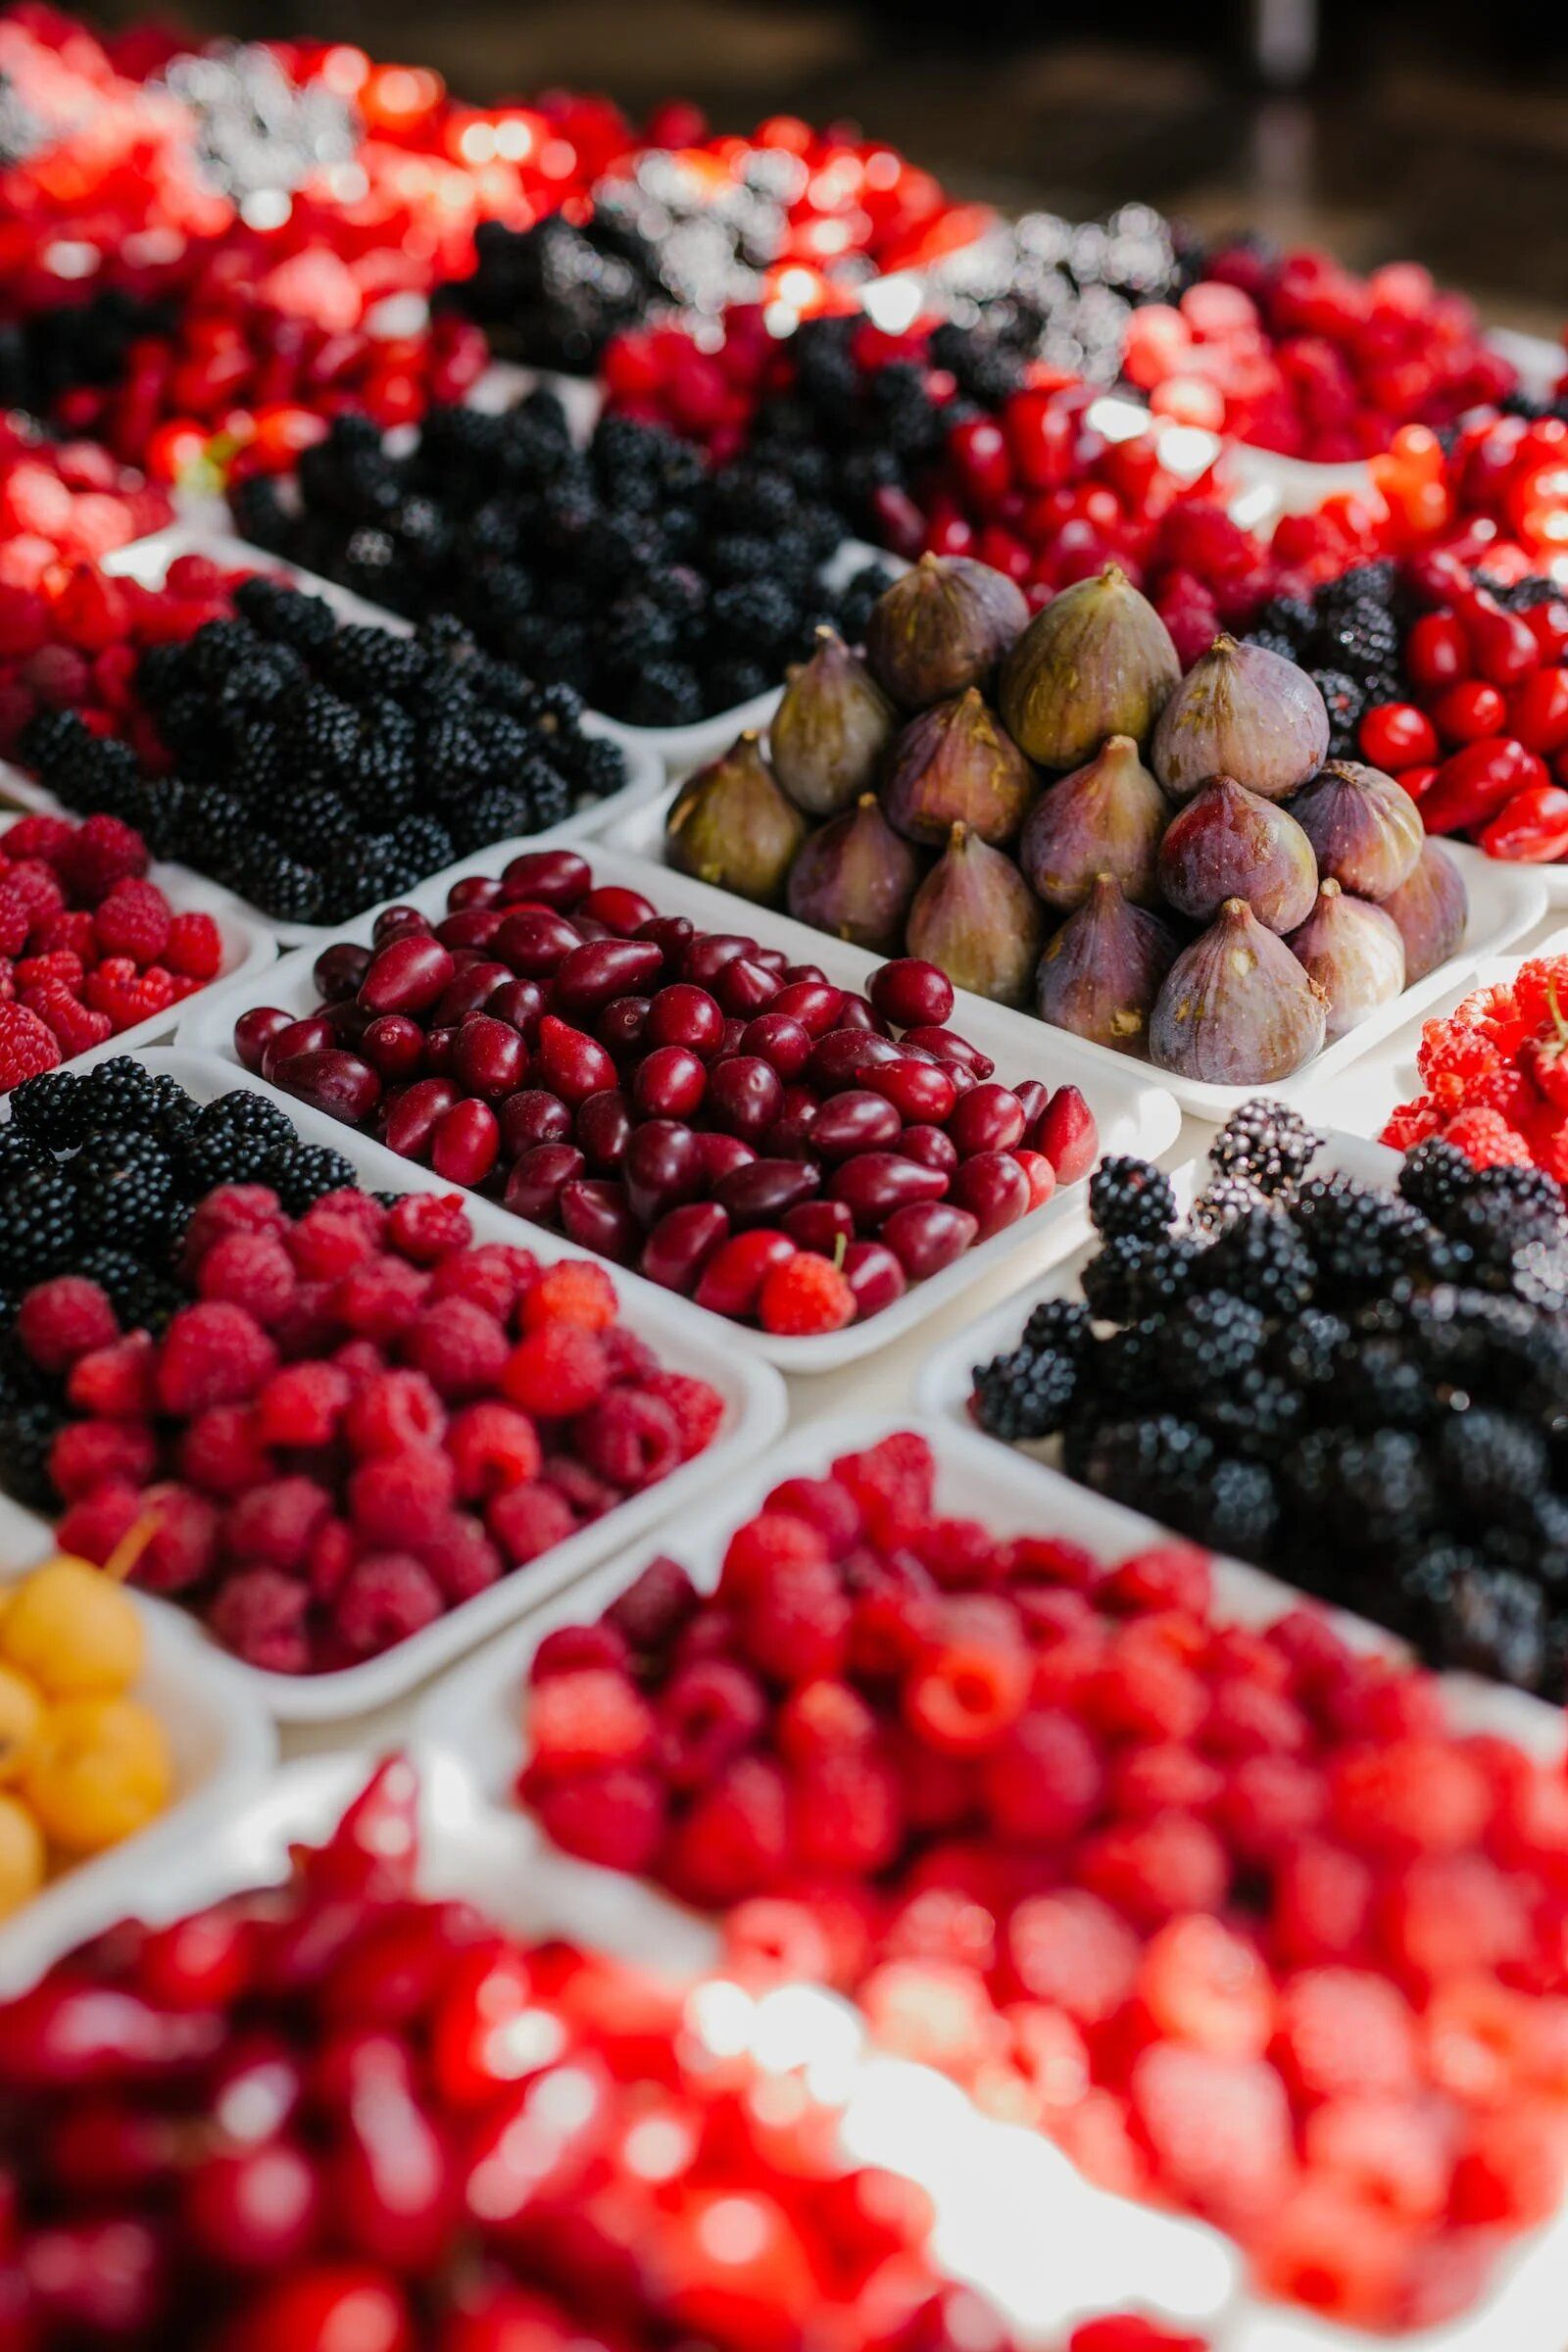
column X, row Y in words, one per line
column 1208, row 1887
column 355, row 1418
column 772, row 1122
column 743, row 2129
column 100, row 948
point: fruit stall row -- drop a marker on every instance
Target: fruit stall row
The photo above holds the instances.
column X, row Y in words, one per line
column 783, row 1069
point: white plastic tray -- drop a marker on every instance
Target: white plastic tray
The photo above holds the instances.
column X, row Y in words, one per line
column 754, row 1413
column 222, row 1742
column 1132, row 1112
column 1504, row 901
column 1003, row 2197
column 477, row 1716
column 249, row 947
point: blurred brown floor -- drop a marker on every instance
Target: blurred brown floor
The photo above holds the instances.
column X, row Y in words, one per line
column 1415, row 146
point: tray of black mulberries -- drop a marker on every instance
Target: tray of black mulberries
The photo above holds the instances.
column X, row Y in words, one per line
column 1345, row 1368
column 669, row 593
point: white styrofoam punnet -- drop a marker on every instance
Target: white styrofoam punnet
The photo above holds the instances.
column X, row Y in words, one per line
column 682, row 1337
column 1132, row 1112
column 475, row 1720
column 221, row 1740
column 249, row 947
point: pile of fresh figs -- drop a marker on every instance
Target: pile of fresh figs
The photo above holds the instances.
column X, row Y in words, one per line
column 1051, row 811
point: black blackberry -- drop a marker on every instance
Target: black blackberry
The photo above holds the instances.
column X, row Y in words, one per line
column 1025, row 1395
column 1361, row 1240
column 1290, row 618
column 1129, row 1196
column 1495, row 1622
column 1437, row 1177
column 1493, row 1463
column 1212, row 1340
column 303, row 1174
column 1128, row 1372
column 27, row 1434
column 237, row 1140
column 363, row 662
column 39, row 1229
column 51, row 1110
column 281, row 887
column 1268, row 1145
column 666, row 694
column 1159, row 1463
column 125, row 1187
column 1360, row 638
column 19, row 1151
column 141, row 1297
column 121, row 1093
column 1264, row 1260
column 1060, row 1324
column 1222, row 1201
column 1272, row 641
column 1131, row 1277
column 1346, row 700
column 1258, row 1417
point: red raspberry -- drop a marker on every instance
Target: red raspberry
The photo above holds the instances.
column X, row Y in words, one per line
column 86, row 1453
column 331, row 1556
column 573, row 1292
column 735, row 1840
column 823, row 1505
column 24, row 625
column 1043, row 1782
column 694, row 1408
column 708, row 1713
column 381, row 1298
column 16, row 923
column 1164, row 1777
column 27, row 1046
column 1128, row 2332
column 117, row 1382
column 528, row 1520
column 394, row 1412
column 1343, row 2033
column 1450, row 1914
column 182, row 1548
column 1416, row 1796
column 349, row 1202
column 570, row 1646
column 38, row 886
column 326, row 1242
column 771, row 1545
column 60, row 1320
column 222, row 1452
column 77, row 1029
column 1268, row 1806
column 402, row 1497
column 822, row 1718
column 194, row 946
column 302, row 1405
column 1515, row 2168
column 461, row 1558
column 1218, row 2128
column 560, row 1369
column 69, row 932
column 633, row 1362
column 492, row 1446
column 1329, row 2248
column 231, row 1209
column 1385, row 2150
column 102, row 853
column 1487, row 1140
column 56, row 967
column 893, row 1482
column 1205, row 1986
column 493, row 1276
column 1165, row 1576
column 589, row 1721
column 629, row 1438
column 1153, row 1869
column 425, row 1227
column 616, row 1819
column 589, row 1495
column 804, row 1297
column 1071, row 1949
column 652, row 1610
column 213, row 1353
column 91, row 609
column 1144, row 1692
column 249, row 1270
column 132, row 919
column 973, row 1680
column 259, row 1614
column 95, row 1527
column 276, row 1522
column 460, row 1348
column 794, row 1620
column 386, row 1596
column 57, row 676
column 38, row 836
column 846, row 1815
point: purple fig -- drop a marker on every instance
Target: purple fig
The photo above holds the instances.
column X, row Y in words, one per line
column 1097, row 660
column 1107, row 817
column 1430, row 909
column 956, row 765
column 856, row 878
column 730, row 825
column 1365, row 828
column 1237, row 1009
column 831, row 729
column 975, row 916
column 1244, row 711
column 1354, row 952
column 1229, row 844
column 941, row 627
column 1100, row 974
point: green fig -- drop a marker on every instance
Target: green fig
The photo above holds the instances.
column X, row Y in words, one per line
column 955, row 765
column 945, row 626
column 831, row 729
column 730, row 825
column 1097, row 660
column 975, row 918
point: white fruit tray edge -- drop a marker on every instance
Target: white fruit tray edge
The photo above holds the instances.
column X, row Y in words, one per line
column 1133, row 1110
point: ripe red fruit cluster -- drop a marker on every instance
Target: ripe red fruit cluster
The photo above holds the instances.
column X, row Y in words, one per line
column 1483, row 746
column 362, row 1421
column 1296, row 353
column 71, row 639
column 1235, row 1915
column 88, row 946
column 685, row 1101
column 67, row 500
column 342, row 2116
column 1494, row 1074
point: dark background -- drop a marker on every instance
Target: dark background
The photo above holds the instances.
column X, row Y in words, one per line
column 1435, row 131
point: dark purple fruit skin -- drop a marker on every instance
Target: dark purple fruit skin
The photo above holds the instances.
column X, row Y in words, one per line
column 876, row 1277
column 1228, row 843
column 535, row 1184
column 593, row 1213
column 681, row 1243
column 338, row 969
column 926, row 1236
column 330, row 1080
column 875, row 1184
column 760, row 1192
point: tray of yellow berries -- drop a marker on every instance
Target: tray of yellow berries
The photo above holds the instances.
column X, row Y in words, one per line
column 120, row 1732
